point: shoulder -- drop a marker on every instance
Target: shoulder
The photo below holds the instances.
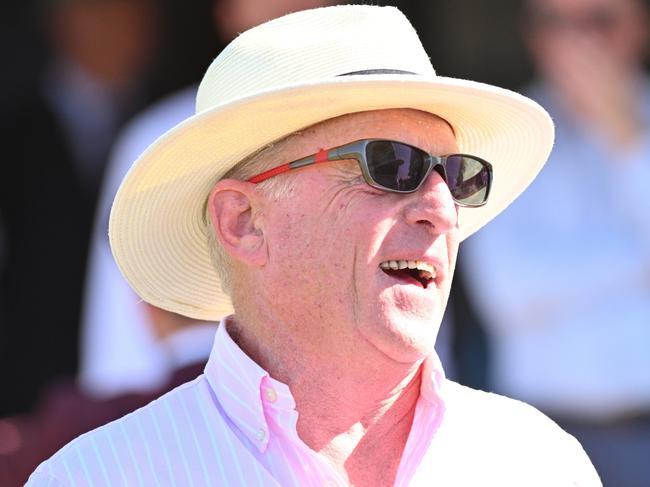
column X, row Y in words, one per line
column 511, row 440
column 491, row 415
column 147, row 126
column 138, row 446
column 478, row 405
column 47, row 479
column 156, row 119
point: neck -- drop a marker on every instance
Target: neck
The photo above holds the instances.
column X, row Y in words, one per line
column 355, row 409
column 357, row 424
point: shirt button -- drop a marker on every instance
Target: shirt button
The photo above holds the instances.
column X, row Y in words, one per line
column 261, row 434
column 271, row 395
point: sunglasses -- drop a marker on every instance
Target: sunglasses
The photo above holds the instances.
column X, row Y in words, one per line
column 401, row 168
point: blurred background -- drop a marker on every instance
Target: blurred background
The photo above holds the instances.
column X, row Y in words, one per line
column 551, row 302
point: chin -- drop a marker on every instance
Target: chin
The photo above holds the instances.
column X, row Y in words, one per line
column 407, row 338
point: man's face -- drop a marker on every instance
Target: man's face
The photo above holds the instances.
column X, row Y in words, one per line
column 114, row 40
column 327, row 241
column 235, row 16
column 616, row 27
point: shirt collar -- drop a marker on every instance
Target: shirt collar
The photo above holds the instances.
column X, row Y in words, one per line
column 242, row 387
column 245, row 390
column 433, row 377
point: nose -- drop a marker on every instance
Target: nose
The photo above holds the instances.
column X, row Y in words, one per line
column 432, row 206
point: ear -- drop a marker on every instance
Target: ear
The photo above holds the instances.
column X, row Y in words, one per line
column 231, row 208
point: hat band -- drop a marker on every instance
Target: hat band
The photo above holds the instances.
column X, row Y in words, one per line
column 377, row 71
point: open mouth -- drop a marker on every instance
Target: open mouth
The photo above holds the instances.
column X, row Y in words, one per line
column 410, row 271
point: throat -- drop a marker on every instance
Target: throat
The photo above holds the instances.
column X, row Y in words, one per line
column 370, row 456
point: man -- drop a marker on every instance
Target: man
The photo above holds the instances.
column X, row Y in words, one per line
column 568, row 308
column 337, row 266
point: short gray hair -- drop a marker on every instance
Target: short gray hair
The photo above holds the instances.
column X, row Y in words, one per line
column 255, row 163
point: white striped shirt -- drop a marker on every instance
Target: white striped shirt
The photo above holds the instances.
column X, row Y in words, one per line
column 235, row 425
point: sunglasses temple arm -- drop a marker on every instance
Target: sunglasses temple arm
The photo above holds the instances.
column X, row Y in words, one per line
column 322, row 155
column 269, row 174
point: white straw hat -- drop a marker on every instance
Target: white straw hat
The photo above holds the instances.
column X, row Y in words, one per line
column 277, row 78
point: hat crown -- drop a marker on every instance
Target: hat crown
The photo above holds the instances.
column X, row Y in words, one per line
column 311, row 46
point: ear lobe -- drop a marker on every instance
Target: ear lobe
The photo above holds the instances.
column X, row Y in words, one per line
column 231, row 209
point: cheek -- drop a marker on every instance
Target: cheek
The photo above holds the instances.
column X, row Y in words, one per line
column 452, row 249
column 377, row 235
column 324, row 247
column 306, row 255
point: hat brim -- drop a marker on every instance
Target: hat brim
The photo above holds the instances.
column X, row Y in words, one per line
column 158, row 231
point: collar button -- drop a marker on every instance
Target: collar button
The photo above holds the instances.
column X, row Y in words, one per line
column 271, row 395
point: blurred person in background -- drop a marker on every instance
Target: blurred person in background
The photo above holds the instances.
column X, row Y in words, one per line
column 56, row 142
column 119, row 353
column 568, row 264
column 65, row 411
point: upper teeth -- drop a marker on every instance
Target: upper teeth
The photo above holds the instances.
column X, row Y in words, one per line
column 427, row 270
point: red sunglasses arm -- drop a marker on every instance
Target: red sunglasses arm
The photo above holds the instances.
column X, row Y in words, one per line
column 270, row 173
column 321, row 156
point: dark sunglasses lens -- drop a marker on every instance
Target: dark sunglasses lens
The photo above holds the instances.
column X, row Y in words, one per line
column 396, row 166
column 468, row 179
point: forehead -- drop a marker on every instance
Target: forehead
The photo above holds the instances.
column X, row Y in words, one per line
column 415, row 127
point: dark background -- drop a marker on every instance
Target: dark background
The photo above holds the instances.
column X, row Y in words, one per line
column 465, row 38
